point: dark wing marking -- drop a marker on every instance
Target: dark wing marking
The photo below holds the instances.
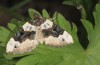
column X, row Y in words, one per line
column 23, row 40
column 54, row 35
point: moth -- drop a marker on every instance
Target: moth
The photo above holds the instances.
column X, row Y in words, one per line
column 35, row 32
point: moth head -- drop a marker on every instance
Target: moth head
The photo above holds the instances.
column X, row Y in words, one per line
column 37, row 20
column 47, row 24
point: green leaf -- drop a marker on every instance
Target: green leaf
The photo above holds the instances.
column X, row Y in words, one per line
column 74, row 32
column 20, row 23
column 92, row 52
column 32, row 12
column 13, row 21
column 17, row 23
column 63, row 23
column 83, row 12
column 74, row 28
column 40, row 59
column 47, row 55
column 4, row 61
column 45, row 14
column 2, row 50
column 12, row 27
column 55, row 17
column 72, row 59
column 73, row 2
column 96, row 14
column 69, row 3
column 89, row 27
column 2, row 44
column 5, row 34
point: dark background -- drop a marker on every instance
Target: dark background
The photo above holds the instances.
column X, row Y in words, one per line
column 7, row 9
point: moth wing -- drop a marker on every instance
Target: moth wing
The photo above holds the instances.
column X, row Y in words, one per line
column 16, row 47
column 67, row 37
column 52, row 41
column 61, row 40
column 28, row 27
column 47, row 24
column 26, row 46
column 11, row 44
column 58, row 37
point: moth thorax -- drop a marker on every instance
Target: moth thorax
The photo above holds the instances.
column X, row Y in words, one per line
column 39, row 34
column 38, row 21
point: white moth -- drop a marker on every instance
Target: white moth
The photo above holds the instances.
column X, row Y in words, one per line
column 16, row 47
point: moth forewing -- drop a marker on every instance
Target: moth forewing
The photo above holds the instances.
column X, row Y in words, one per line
column 26, row 46
column 53, row 41
column 62, row 40
column 68, row 38
column 28, row 27
column 11, row 45
column 47, row 24
column 58, row 37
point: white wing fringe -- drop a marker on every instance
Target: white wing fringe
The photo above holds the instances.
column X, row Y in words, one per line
column 26, row 46
column 62, row 40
